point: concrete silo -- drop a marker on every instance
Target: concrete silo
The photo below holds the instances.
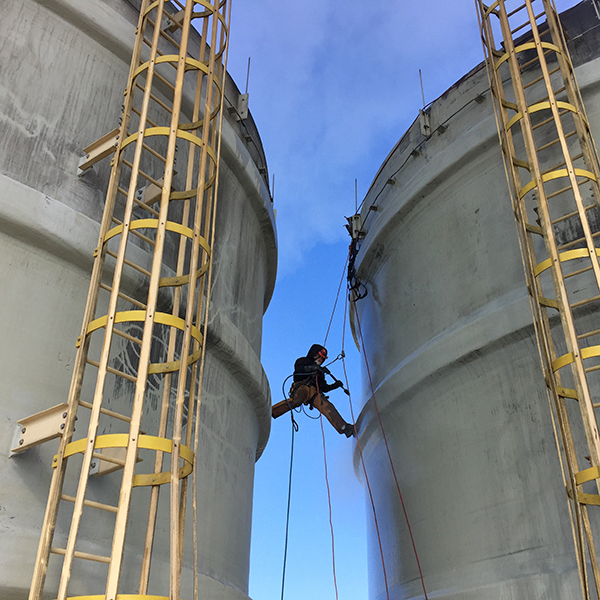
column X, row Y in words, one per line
column 453, row 358
column 64, row 66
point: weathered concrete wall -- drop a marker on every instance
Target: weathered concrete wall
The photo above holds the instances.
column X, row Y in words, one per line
column 451, row 349
column 63, row 68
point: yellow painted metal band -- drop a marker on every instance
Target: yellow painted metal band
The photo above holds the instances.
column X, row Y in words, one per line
column 562, row 361
column 153, row 224
column 563, row 257
column 593, row 499
column 507, row 104
column 491, row 8
column 210, row 9
column 522, row 48
column 120, row 597
column 540, row 106
column 548, row 302
column 587, row 475
column 172, row 321
column 557, row 174
column 567, row 359
column 183, row 195
column 514, row 119
column 567, row 393
column 160, row 478
column 121, row 440
column 151, row 131
column 174, row 58
column 206, row 4
column 590, row 352
column 171, row 58
column 151, row 7
column 138, row 316
column 521, row 163
column 182, row 279
column 171, row 367
column 180, row 133
column 125, row 316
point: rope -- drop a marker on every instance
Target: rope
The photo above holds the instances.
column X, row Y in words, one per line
column 289, row 501
column 359, row 445
column 329, row 502
column 362, row 343
column 362, row 461
column 336, row 301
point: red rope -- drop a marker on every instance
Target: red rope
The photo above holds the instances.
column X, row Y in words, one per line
column 362, row 461
column 336, row 300
column 362, row 343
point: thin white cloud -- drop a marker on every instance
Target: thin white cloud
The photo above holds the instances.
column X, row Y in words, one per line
column 333, row 86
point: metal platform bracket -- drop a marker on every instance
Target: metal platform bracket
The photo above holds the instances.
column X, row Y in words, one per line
column 98, row 150
column 39, row 428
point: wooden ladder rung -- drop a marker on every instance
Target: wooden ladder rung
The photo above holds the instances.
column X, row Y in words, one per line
column 130, row 264
column 533, row 60
column 516, row 10
column 540, row 78
column 125, row 297
column 559, row 192
column 578, row 272
column 91, row 503
column 555, row 141
column 82, row 555
column 141, row 236
column 571, row 214
column 112, row 370
column 561, row 113
column 586, row 301
column 562, row 164
column 139, row 114
column 143, row 174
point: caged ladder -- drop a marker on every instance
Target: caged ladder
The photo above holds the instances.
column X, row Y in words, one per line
column 136, row 384
column 553, row 172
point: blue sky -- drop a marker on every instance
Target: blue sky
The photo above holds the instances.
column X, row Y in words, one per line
column 333, row 86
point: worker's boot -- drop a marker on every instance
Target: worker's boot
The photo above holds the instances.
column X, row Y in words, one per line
column 349, row 430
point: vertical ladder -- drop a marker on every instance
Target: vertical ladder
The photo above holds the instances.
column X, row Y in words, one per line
column 142, row 338
column 553, row 172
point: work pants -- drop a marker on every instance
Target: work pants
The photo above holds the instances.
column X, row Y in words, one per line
column 308, row 394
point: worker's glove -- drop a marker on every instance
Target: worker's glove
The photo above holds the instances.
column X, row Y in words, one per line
column 337, row 384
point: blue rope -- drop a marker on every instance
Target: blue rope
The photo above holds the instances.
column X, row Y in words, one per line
column 287, row 521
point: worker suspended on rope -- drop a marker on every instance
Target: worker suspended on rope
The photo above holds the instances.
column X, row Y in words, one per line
column 309, row 388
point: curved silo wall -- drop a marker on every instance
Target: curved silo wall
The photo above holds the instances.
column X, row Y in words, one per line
column 452, row 353
column 63, row 69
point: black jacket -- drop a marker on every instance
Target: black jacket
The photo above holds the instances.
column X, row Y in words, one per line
column 305, row 368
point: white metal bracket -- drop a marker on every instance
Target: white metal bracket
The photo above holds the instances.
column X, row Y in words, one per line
column 425, row 122
column 98, row 150
column 173, row 22
column 39, row 428
column 149, row 194
column 242, row 106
